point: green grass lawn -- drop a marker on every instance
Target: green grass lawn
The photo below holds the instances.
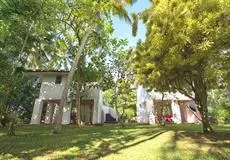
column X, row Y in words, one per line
column 134, row 142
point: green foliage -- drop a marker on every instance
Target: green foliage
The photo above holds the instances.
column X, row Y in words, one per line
column 126, row 100
column 22, row 98
column 120, row 95
column 186, row 48
column 219, row 104
column 134, row 24
column 28, row 32
column 118, row 9
column 55, row 34
column 10, row 117
column 108, row 96
column 17, row 92
column 10, row 78
column 184, row 39
column 93, row 70
column 47, row 34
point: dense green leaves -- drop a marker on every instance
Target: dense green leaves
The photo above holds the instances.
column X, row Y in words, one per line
column 17, row 92
column 186, row 47
column 219, row 105
column 121, row 95
column 57, row 34
column 184, row 39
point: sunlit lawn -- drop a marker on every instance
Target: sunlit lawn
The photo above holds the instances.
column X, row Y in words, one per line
column 134, row 142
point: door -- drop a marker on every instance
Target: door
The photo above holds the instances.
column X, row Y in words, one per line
column 86, row 112
column 43, row 114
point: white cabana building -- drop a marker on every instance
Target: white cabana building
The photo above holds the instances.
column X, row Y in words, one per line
column 46, row 105
column 153, row 106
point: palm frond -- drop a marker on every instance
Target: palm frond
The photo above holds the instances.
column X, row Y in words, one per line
column 129, row 2
column 120, row 11
column 134, row 24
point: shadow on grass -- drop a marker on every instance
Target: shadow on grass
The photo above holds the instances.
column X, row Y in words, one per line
column 214, row 146
column 92, row 142
column 104, row 147
column 81, row 143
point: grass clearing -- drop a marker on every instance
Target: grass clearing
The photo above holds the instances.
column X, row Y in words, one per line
column 108, row 142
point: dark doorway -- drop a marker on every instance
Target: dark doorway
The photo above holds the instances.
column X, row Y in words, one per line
column 86, row 112
column 43, row 114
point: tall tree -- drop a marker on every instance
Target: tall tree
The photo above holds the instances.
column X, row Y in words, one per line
column 186, row 49
column 97, row 22
column 28, row 33
column 17, row 19
column 121, row 96
column 21, row 99
column 92, row 71
column 10, row 78
column 61, row 23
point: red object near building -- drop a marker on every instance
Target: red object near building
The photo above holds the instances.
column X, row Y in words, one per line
column 168, row 118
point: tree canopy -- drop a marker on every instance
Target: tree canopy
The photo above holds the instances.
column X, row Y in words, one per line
column 121, row 95
column 59, row 34
column 186, row 48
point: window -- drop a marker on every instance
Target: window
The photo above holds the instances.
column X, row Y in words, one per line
column 58, row 79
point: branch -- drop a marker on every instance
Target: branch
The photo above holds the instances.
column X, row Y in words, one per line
column 4, row 4
column 66, row 23
column 78, row 37
column 194, row 113
column 185, row 93
column 163, row 95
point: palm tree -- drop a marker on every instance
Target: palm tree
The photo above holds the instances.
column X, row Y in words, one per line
column 118, row 9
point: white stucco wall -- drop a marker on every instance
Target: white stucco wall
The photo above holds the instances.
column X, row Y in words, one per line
column 66, row 114
column 144, row 107
column 50, row 90
column 176, row 111
column 49, row 113
column 109, row 110
column 95, row 94
column 37, row 111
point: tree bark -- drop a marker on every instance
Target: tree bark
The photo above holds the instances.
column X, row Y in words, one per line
column 201, row 98
column 11, row 129
column 115, row 100
column 78, row 104
column 115, row 95
column 123, row 111
column 58, row 121
column 26, row 38
column 204, row 114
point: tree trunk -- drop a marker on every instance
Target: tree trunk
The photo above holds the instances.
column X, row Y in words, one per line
column 162, row 120
column 201, row 98
column 123, row 110
column 78, row 104
column 26, row 38
column 57, row 128
column 115, row 99
column 204, row 114
column 11, row 129
column 115, row 95
column 123, row 115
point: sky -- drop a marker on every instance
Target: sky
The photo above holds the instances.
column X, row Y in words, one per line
column 123, row 30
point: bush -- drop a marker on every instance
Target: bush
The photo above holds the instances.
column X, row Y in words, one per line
column 9, row 119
